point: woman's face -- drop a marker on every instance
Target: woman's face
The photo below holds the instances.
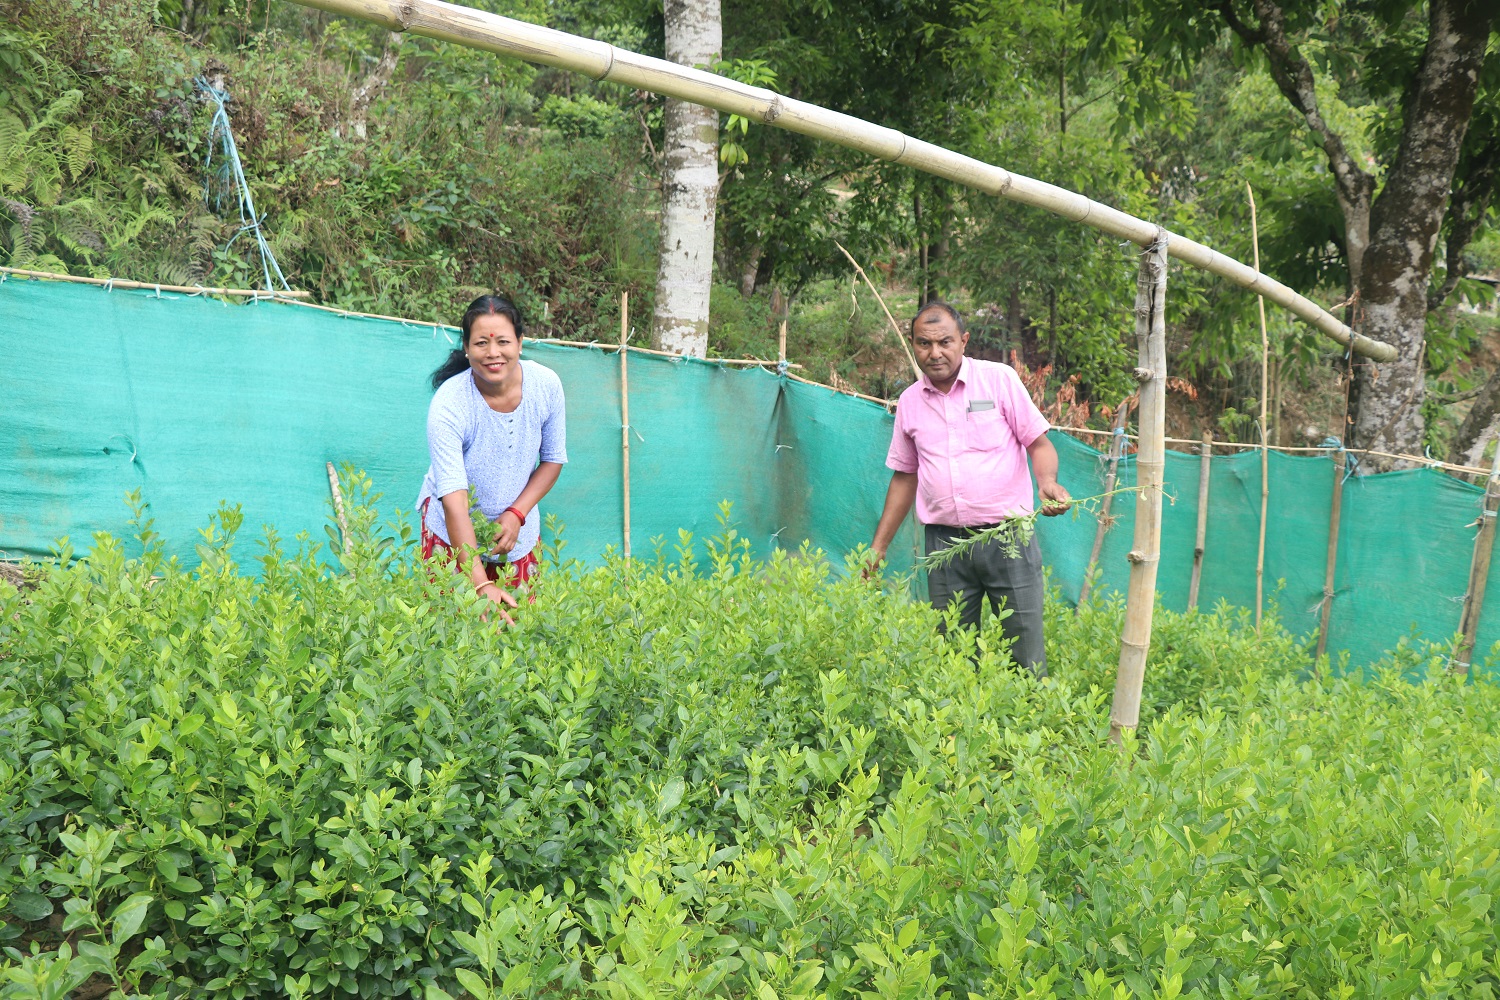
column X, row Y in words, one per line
column 494, row 350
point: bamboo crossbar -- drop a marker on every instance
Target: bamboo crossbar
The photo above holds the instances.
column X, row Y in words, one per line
column 602, row 61
column 256, row 293
column 1297, row 450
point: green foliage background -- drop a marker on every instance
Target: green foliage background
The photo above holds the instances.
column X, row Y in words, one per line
column 474, row 173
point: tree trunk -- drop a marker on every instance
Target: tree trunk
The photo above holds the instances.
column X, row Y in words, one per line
column 1390, row 239
column 690, row 188
column 373, row 86
column 1404, row 224
column 750, row 271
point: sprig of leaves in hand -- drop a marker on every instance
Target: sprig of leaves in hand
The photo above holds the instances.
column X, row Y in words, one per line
column 485, row 530
column 1015, row 532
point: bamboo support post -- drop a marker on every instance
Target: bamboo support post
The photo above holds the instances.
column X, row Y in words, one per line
column 1145, row 552
column 1265, row 454
column 625, row 418
column 781, row 345
column 1116, row 449
column 895, row 327
column 1479, row 572
column 1200, row 545
column 338, row 510
column 1335, row 514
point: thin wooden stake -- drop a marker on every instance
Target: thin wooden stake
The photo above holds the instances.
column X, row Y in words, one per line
column 625, row 415
column 1340, row 467
column 338, row 510
column 1145, row 552
column 1205, row 463
column 895, row 327
column 1116, row 449
column 781, row 348
column 1265, row 454
column 1479, row 572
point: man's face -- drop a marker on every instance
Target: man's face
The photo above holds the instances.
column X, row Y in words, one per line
column 938, row 345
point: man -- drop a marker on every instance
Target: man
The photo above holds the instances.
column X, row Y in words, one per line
column 964, row 432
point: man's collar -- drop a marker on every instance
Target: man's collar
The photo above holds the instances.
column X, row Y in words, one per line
column 962, row 376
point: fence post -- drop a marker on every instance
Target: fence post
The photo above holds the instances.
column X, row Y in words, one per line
column 1145, row 552
column 625, row 415
column 1205, row 453
column 1479, row 571
column 1341, row 464
column 1265, row 452
column 1116, row 449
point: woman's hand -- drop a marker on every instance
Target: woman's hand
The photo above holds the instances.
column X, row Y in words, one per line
column 510, row 529
column 500, row 597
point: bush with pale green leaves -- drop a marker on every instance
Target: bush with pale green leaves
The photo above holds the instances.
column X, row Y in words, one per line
column 703, row 774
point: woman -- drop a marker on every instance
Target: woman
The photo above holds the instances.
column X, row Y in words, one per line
column 496, row 423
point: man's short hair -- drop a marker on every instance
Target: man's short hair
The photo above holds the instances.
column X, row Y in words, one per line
column 938, row 305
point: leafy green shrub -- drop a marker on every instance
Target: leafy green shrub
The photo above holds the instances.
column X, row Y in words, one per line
column 580, row 116
column 702, row 774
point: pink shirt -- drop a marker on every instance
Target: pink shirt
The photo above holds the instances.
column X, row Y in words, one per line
column 968, row 448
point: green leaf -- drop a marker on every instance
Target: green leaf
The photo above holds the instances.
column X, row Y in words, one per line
column 907, row 934
column 128, row 917
column 671, row 796
column 30, row 906
column 471, row 982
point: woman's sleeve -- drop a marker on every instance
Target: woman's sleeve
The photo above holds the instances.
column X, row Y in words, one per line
column 555, row 426
column 445, row 445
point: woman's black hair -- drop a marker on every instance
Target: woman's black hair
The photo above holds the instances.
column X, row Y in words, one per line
column 485, row 305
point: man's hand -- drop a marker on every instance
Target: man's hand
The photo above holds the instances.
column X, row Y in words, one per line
column 872, row 566
column 1054, row 497
column 510, row 529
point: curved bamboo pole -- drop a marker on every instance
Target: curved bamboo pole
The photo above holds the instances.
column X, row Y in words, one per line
column 601, row 61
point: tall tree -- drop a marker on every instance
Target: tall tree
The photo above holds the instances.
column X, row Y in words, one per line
column 1420, row 67
column 690, row 188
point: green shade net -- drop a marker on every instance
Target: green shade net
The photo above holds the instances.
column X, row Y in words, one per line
column 194, row 401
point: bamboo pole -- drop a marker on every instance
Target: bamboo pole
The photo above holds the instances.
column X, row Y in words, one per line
column 259, row 293
column 338, row 510
column 625, row 416
column 1116, row 448
column 1341, row 464
column 1426, row 463
column 1479, row 572
column 1200, row 546
column 1265, row 454
column 895, row 327
column 1145, row 552
column 601, row 61
column 781, row 346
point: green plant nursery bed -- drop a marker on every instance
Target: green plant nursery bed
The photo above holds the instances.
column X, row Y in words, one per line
column 701, row 774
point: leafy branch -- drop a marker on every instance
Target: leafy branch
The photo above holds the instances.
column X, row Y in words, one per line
column 1014, row 532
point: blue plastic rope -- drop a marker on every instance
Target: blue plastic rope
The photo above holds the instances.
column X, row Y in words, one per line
column 232, row 172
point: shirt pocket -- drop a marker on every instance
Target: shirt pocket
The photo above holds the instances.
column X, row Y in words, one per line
column 984, row 429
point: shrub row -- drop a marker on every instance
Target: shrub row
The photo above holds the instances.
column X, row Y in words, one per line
column 705, row 775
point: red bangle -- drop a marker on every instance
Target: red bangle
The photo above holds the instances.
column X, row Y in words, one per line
column 516, row 511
